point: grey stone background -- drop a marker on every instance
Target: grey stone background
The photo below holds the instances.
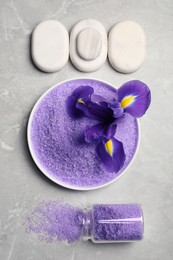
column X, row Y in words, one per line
column 148, row 181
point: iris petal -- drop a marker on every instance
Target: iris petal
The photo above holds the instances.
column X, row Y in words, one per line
column 80, row 95
column 110, row 129
column 84, row 93
column 117, row 108
column 134, row 97
column 111, row 153
column 94, row 133
column 98, row 131
column 97, row 98
column 95, row 111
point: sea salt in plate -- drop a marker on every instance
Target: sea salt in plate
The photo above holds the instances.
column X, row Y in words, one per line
column 56, row 140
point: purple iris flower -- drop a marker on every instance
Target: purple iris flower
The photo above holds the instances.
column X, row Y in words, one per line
column 133, row 97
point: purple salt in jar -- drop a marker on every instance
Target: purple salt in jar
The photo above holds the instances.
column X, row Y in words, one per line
column 101, row 223
column 113, row 223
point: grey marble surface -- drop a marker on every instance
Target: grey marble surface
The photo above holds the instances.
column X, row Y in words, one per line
column 148, row 181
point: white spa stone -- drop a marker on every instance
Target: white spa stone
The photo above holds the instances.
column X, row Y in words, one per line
column 50, row 46
column 88, row 45
column 126, row 46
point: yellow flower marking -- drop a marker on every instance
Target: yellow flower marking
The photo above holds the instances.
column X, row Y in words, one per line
column 127, row 101
column 81, row 101
column 109, row 147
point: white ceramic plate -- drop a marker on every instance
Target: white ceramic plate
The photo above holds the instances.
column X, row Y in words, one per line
column 46, row 172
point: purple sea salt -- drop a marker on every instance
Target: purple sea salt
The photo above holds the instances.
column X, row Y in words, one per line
column 53, row 221
column 57, row 143
column 117, row 222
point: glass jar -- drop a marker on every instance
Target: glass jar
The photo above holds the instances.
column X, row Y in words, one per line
column 113, row 223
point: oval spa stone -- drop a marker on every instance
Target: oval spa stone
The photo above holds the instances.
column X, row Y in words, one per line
column 126, row 48
column 88, row 45
column 50, row 46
